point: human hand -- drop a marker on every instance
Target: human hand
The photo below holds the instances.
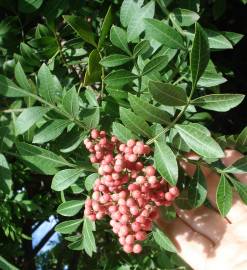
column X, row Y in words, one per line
column 204, row 239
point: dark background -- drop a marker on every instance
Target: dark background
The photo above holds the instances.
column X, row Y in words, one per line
column 234, row 20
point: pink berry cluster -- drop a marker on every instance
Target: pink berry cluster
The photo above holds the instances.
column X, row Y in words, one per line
column 128, row 190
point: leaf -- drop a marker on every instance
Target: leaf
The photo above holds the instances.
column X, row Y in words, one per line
column 88, row 237
column 179, row 143
column 163, row 241
column 47, row 84
column 211, row 77
column 127, row 10
column 5, row 265
column 28, row 118
column 182, row 201
column 141, row 48
column 165, row 161
column 242, row 138
column 199, row 140
column 10, row 89
column 121, row 132
column 21, row 77
column 70, row 208
column 91, row 117
column 167, row 94
column 50, row 131
column 136, row 23
column 93, row 73
column 241, row 189
column 119, row 78
column 234, row 38
column 89, row 181
column 105, row 27
column 199, row 56
column 219, row 102
column 7, row 138
column 185, row 17
column 240, row 166
column 147, row 111
column 197, row 190
column 72, row 238
column 224, row 196
column 54, row 8
column 40, row 159
column 5, row 176
column 114, row 60
column 71, row 102
column 66, row 178
column 217, row 40
column 29, row 55
column 135, row 123
column 164, row 34
column 76, row 245
column 118, row 38
column 156, row 64
column 81, row 27
column 29, row 6
column 91, row 97
column 116, row 93
column 69, row 226
column 71, row 140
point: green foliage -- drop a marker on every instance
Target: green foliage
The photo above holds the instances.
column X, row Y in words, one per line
column 165, row 161
column 88, row 237
column 163, row 241
column 137, row 69
column 69, row 226
column 70, row 208
column 164, row 34
column 65, row 178
column 199, row 139
column 167, row 94
column 197, row 190
column 199, row 56
column 224, row 196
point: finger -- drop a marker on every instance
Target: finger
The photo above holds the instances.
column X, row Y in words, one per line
column 204, row 221
column 238, row 211
column 231, row 156
column 188, row 243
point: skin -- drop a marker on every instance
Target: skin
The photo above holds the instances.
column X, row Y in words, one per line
column 203, row 238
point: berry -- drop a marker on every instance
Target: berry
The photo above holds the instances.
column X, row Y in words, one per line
column 174, row 191
column 123, row 231
column 141, row 235
column 137, row 248
column 131, row 143
column 150, row 171
column 134, row 210
column 128, row 248
column 130, row 239
column 129, row 190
